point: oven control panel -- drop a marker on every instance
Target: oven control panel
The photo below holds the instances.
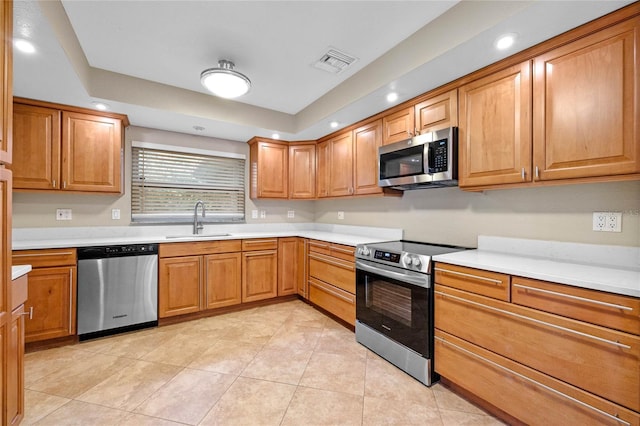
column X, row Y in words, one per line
column 387, row 256
column 401, row 260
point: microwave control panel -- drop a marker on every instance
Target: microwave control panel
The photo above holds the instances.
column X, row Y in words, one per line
column 438, row 156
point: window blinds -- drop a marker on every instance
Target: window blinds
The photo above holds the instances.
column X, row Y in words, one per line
column 165, row 186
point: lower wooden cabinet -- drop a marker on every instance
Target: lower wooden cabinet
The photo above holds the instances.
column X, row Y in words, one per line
column 223, row 280
column 51, row 299
column 259, row 275
column 179, row 286
column 15, row 367
column 290, row 265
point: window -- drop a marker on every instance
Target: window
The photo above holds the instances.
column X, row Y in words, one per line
column 165, row 185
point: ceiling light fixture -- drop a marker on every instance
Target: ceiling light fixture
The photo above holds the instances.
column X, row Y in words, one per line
column 224, row 81
column 392, row 97
column 334, row 124
column 275, row 136
column 505, row 41
column 100, row 106
column 24, row 45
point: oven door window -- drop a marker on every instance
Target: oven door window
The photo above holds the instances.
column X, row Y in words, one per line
column 399, row 310
column 406, row 162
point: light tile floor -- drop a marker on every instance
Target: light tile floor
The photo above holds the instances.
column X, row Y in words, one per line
column 284, row 364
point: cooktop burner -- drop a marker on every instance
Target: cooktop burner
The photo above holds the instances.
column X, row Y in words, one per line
column 411, row 255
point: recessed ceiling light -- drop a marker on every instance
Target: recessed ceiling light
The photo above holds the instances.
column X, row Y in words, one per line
column 100, row 106
column 505, row 41
column 333, row 124
column 275, row 136
column 24, row 45
column 392, row 97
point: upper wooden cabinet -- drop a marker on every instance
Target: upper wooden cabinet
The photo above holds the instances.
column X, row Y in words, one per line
column 438, row 112
column 398, row 126
column 269, row 174
column 335, row 166
column 366, row 141
column 67, row 150
column 586, row 93
column 495, row 128
column 323, row 167
column 302, row 170
column 6, row 80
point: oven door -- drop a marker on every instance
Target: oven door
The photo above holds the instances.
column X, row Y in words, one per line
column 397, row 303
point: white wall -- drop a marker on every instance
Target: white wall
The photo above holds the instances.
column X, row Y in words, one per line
column 442, row 215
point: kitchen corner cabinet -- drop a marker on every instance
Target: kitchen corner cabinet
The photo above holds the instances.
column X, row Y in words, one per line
column 332, row 279
column 302, row 171
column 62, row 148
column 495, row 128
column 540, row 346
column 198, row 276
column 290, row 265
column 51, row 300
column 259, row 269
column 269, row 168
column 335, row 166
column 585, row 98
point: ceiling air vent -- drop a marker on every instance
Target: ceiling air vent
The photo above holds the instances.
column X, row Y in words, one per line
column 334, row 61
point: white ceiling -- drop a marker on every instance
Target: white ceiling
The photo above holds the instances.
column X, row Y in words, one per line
column 144, row 58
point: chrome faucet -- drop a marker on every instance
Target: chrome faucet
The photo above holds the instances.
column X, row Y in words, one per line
column 198, row 226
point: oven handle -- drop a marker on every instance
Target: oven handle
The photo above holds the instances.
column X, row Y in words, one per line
column 420, row 281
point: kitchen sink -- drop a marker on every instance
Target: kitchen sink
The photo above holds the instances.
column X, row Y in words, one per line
column 170, row 237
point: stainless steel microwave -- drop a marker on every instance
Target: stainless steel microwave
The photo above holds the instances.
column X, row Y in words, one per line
column 429, row 160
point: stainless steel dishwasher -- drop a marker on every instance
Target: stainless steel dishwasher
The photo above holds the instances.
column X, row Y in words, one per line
column 117, row 289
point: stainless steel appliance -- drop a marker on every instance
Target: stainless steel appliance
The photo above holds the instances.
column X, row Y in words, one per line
column 429, row 160
column 117, row 289
column 394, row 303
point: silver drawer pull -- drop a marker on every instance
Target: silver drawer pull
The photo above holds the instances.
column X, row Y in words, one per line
column 331, row 261
column 546, row 324
column 569, row 296
column 64, row 253
column 30, row 313
column 347, row 251
column 497, row 282
column 550, row 389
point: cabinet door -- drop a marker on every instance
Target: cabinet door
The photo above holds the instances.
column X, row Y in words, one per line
column 6, row 79
column 15, row 368
column 437, row 113
column 366, row 141
column 398, row 126
column 323, row 167
column 36, row 147
column 52, row 296
column 495, row 128
column 91, row 153
column 273, row 170
column 302, row 171
column 259, row 275
column 586, row 106
column 341, row 165
column 223, row 280
column 288, row 266
column 179, row 286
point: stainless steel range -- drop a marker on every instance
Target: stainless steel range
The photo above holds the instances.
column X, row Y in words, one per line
column 394, row 303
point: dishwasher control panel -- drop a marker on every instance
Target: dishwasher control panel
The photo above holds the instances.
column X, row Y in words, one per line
column 117, row 251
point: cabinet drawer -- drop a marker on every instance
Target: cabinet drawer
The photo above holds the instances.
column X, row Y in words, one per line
column 45, row 258
column 521, row 392
column 330, row 249
column 198, row 248
column 332, row 299
column 491, row 284
column 260, row 244
column 608, row 310
column 333, row 271
column 599, row 360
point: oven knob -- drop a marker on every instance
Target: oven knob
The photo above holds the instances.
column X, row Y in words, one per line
column 408, row 260
column 366, row 251
column 417, row 263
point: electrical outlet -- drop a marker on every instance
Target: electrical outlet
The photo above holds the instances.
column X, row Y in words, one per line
column 263, row 214
column 254, row 214
column 291, row 214
column 63, row 214
column 607, row 221
column 341, row 215
column 115, row 214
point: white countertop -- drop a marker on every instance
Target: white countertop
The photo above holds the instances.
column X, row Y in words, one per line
column 612, row 269
column 20, row 270
column 40, row 238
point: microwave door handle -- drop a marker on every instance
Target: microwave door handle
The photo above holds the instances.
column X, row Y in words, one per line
column 431, row 158
column 418, row 281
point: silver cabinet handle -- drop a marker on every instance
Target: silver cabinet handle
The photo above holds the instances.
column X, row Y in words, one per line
column 569, row 296
column 522, row 173
column 537, row 173
column 331, row 261
column 543, row 323
column 64, row 184
column 30, row 313
column 319, row 245
column 347, row 251
column 54, row 183
column 64, row 253
column 477, row 277
column 528, row 379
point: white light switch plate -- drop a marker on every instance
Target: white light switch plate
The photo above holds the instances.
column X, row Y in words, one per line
column 115, row 214
column 341, row 215
column 63, row 214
